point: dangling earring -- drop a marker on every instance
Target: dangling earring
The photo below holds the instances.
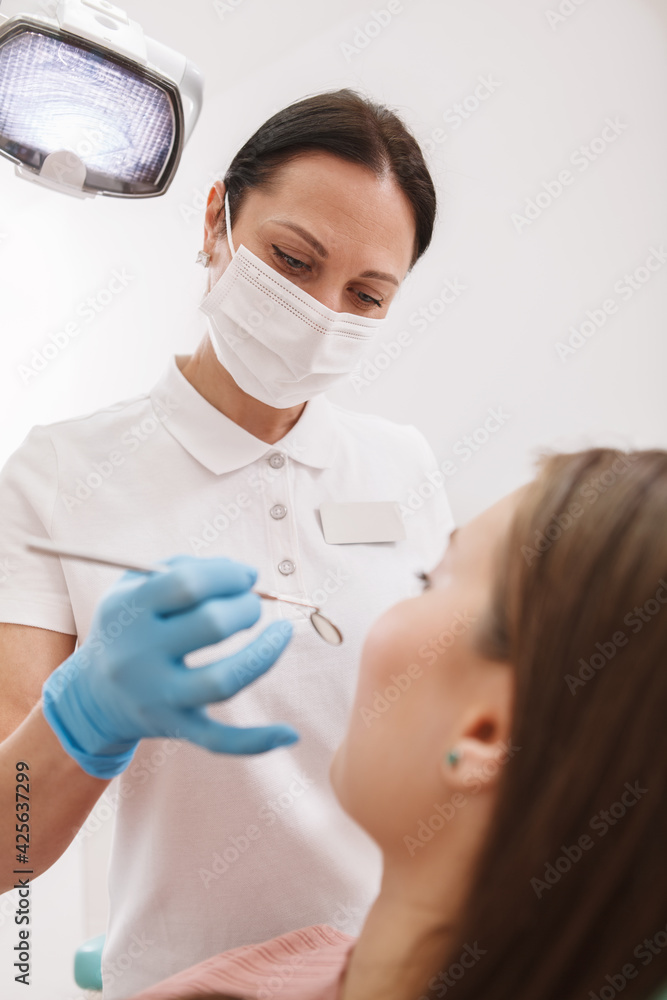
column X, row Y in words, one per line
column 203, row 258
column 453, row 757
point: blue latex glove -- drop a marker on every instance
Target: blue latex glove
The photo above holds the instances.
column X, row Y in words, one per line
column 132, row 683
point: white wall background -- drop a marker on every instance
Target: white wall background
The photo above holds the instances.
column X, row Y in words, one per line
column 555, row 84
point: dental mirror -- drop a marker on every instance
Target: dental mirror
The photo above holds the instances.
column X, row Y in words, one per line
column 326, row 629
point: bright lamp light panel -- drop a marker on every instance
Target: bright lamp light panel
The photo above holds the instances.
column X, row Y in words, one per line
column 58, row 96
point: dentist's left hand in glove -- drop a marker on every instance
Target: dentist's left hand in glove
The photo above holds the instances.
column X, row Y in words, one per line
column 104, row 698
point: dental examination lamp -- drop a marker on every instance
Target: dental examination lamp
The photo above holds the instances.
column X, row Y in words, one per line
column 88, row 103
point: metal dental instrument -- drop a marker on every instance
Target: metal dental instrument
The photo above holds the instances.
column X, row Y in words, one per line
column 326, row 629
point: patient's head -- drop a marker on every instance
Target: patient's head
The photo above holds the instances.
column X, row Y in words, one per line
column 426, row 690
column 508, row 738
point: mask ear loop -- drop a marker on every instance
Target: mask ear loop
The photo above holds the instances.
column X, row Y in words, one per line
column 228, row 224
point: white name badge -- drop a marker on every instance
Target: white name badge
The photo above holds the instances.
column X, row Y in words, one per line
column 370, row 521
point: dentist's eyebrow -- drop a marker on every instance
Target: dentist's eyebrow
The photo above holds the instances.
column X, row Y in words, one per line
column 380, row 276
column 324, row 253
column 308, row 237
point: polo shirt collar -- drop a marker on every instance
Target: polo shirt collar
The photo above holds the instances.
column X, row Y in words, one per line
column 222, row 445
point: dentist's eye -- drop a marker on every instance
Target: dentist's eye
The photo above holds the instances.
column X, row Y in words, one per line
column 293, row 262
column 425, row 579
column 368, row 298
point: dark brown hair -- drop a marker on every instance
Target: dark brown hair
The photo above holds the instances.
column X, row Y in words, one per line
column 350, row 126
column 575, row 613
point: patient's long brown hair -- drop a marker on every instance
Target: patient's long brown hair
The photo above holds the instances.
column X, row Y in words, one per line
column 582, row 563
column 580, row 612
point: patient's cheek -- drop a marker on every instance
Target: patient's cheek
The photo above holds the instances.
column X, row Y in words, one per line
column 343, row 775
column 385, row 644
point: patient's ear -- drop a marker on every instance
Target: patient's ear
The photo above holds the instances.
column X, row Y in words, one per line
column 477, row 757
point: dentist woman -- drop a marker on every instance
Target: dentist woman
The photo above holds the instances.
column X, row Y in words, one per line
column 234, row 454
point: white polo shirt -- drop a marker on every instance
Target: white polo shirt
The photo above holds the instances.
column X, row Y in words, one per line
column 210, row 851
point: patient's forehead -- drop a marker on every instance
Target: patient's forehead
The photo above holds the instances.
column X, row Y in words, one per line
column 476, row 539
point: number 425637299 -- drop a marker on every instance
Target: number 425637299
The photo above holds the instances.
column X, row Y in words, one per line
column 22, row 811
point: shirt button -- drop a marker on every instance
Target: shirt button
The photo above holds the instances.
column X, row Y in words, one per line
column 278, row 510
column 276, row 461
column 286, row 567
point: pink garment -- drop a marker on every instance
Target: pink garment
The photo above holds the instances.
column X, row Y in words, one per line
column 307, row 964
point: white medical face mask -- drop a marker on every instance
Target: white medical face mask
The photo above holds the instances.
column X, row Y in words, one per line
column 278, row 343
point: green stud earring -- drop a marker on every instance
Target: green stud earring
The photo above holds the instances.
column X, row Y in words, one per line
column 453, row 757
